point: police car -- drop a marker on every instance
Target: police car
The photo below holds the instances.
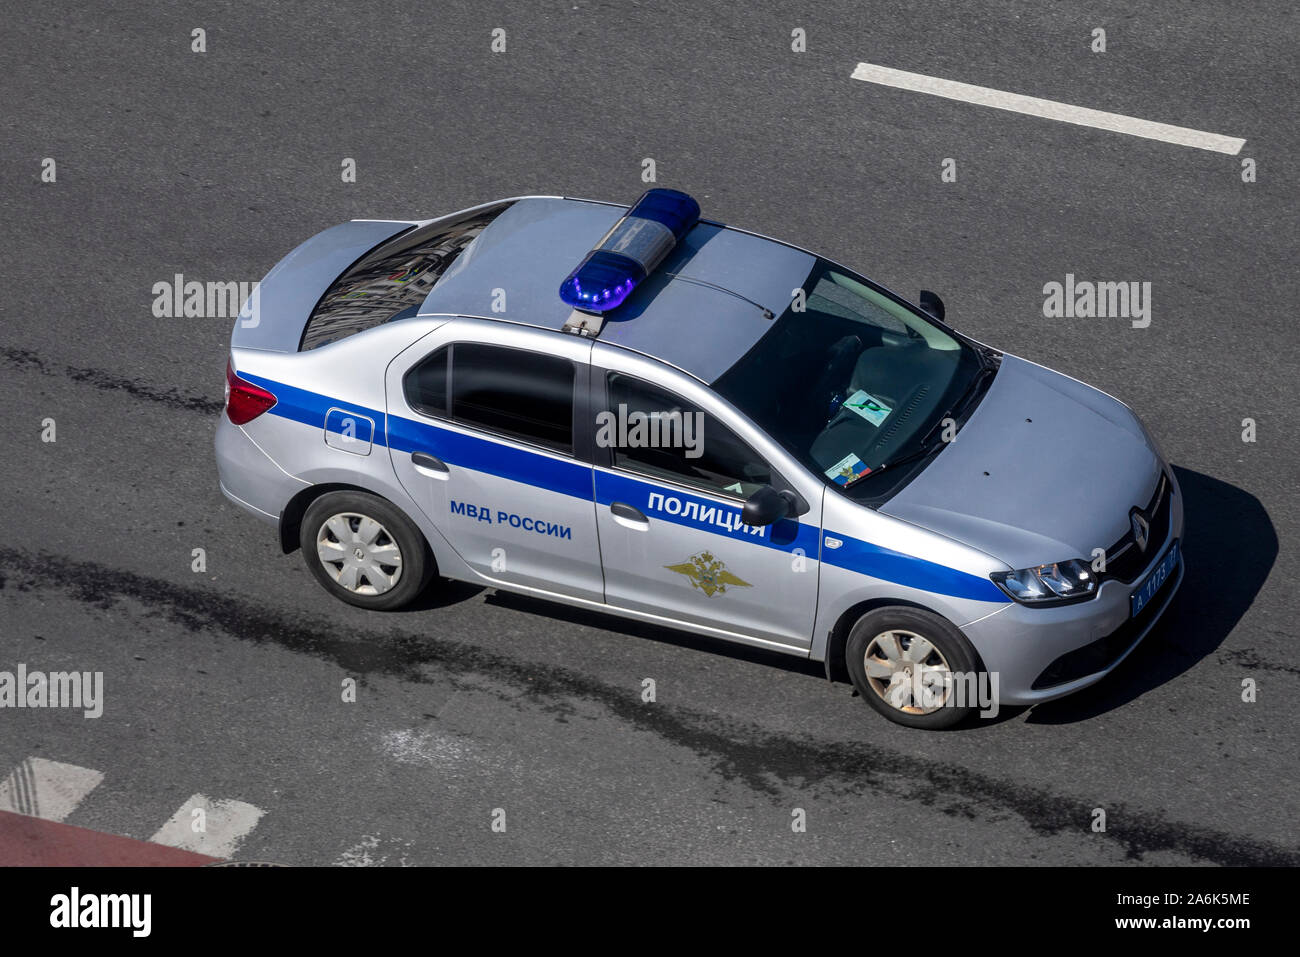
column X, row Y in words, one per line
column 647, row 413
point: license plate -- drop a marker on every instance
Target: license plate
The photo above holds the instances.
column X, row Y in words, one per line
column 1159, row 575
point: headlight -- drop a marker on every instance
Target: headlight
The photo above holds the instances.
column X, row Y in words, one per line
column 1053, row 584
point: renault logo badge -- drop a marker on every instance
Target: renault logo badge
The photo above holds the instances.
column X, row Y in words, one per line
column 1141, row 528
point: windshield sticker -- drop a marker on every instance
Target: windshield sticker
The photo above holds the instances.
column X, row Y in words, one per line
column 868, row 406
column 847, row 470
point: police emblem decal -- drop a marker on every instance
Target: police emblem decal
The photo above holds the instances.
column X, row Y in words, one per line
column 708, row 574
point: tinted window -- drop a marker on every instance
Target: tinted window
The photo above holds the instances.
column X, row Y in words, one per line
column 426, row 384
column 660, row 434
column 514, row 392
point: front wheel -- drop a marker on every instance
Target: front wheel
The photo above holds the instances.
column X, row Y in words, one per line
column 908, row 663
column 364, row 550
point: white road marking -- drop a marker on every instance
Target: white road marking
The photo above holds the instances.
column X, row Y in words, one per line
column 226, row 824
column 1047, row 109
column 366, row 853
column 359, row 854
column 431, row 748
column 46, row 789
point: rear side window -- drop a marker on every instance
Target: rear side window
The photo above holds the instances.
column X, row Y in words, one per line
column 512, row 392
column 392, row 281
column 426, row 384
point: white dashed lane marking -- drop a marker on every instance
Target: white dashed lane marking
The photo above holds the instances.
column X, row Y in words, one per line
column 1047, row 109
column 46, row 789
column 225, row 824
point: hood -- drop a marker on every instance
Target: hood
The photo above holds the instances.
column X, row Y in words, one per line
column 1046, row 469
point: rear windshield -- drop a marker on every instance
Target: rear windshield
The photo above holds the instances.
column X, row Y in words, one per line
column 392, row 280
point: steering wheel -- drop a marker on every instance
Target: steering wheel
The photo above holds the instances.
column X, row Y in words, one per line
column 835, row 377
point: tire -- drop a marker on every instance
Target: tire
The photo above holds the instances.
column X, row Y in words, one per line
column 386, row 572
column 876, row 632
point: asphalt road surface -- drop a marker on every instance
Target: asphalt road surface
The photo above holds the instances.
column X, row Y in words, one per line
column 223, row 686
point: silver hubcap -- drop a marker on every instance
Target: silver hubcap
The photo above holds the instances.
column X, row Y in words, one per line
column 908, row 672
column 359, row 554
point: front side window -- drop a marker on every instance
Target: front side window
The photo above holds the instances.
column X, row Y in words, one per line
column 513, row 392
column 662, row 435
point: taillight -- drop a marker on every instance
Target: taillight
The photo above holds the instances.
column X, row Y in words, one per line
column 245, row 401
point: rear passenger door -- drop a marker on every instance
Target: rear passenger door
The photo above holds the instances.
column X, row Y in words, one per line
column 485, row 435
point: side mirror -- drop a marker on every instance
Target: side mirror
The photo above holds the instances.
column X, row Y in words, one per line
column 932, row 304
column 766, row 506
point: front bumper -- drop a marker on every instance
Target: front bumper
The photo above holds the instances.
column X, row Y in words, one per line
column 1044, row 653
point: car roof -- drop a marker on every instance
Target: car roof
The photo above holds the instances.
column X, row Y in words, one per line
column 530, row 248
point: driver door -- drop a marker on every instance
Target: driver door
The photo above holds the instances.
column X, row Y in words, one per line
column 668, row 513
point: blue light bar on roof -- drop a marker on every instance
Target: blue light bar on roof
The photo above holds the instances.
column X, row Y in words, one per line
column 631, row 250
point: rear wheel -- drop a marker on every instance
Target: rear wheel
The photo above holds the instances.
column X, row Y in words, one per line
column 905, row 662
column 364, row 550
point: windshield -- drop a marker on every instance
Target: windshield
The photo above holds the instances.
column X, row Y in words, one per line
column 851, row 382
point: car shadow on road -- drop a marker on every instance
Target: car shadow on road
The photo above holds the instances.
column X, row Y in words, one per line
column 447, row 592
column 443, row 593
column 1229, row 547
column 680, row 638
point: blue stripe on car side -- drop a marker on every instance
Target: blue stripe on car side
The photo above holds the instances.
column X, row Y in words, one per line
column 880, row 562
column 572, row 478
column 855, row 554
column 483, row 455
column 786, row 535
column 309, row 408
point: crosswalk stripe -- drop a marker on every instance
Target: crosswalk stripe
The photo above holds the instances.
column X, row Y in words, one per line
column 225, row 825
column 46, row 789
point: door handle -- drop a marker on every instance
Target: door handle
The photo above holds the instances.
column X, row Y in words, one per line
column 625, row 511
column 430, row 464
